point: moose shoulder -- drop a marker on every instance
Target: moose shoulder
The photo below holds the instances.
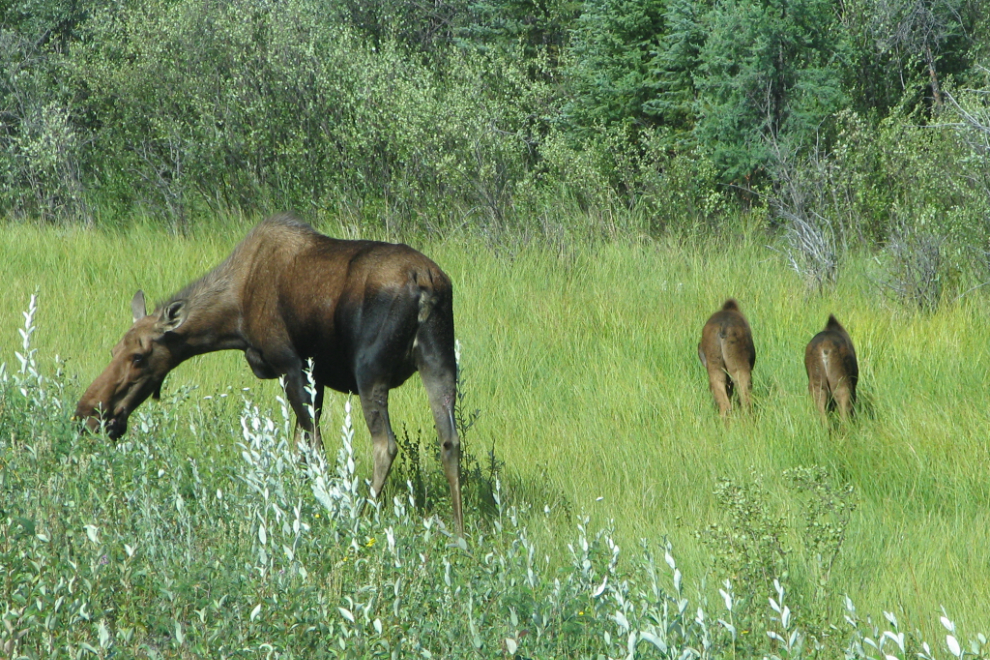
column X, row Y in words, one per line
column 368, row 314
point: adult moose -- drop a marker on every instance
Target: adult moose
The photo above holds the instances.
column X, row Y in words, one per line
column 368, row 314
column 830, row 361
column 727, row 352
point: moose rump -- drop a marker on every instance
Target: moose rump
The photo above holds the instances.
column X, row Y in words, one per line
column 727, row 352
column 368, row 314
column 833, row 372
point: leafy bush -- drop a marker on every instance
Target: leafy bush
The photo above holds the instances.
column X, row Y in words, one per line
column 916, row 269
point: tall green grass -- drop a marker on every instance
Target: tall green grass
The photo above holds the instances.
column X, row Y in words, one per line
column 583, row 361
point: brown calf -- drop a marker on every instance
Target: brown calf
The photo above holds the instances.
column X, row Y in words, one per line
column 727, row 351
column 368, row 314
column 832, row 369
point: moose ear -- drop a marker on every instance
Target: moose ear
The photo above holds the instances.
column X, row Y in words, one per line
column 138, row 308
column 173, row 316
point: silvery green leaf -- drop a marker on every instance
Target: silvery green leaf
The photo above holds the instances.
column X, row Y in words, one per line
column 257, row 610
column 897, row 639
column 104, row 634
column 344, row 612
column 511, row 645
column 378, row 626
column 953, row 645
column 621, row 620
column 890, row 617
column 600, row 588
column 653, row 639
column 93, row 533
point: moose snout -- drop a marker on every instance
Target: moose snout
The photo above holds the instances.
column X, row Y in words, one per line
column 92, row 419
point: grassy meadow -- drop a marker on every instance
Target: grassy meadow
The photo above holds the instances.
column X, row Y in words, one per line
column 582, row 359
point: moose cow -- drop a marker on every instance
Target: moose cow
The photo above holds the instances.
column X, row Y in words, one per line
column 368, row 314
column 832, row 369
column 727, row 352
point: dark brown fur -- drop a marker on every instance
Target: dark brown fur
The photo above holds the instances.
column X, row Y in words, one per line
column 368, row 314
column 833, row 372
column 727, row 352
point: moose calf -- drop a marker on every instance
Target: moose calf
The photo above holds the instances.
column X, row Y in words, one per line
column 832, row 369
column 727, row 351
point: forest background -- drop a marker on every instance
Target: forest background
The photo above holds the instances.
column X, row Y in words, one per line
column 860, row 118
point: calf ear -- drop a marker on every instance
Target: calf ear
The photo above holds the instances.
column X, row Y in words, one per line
column 173, row 316
column 138, row 308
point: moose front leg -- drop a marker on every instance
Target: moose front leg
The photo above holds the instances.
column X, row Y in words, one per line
column 307, row 425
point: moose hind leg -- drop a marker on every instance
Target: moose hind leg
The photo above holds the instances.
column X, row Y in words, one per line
column 743, row 381
column 820, row 394
column 441, row 388
column 843, row 399
column 374, row 403
column 720, row 385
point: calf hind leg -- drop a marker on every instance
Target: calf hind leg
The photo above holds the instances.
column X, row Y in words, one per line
column 819, row 392
column 720, row 385
column 742, row 380
column 843, row 400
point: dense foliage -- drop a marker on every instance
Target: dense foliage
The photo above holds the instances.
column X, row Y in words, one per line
column 492, row 112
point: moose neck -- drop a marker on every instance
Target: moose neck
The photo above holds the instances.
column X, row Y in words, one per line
column 212, row 317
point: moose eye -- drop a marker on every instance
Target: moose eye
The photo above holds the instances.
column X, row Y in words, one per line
column 137, row 359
